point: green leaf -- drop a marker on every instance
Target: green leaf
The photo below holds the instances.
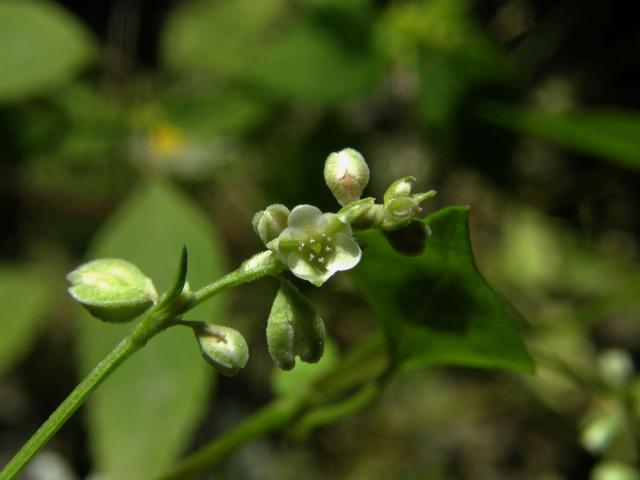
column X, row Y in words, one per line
column 206, row 112
column 308, row 65
column 24, row 297
column 223, row 37
column 437, row 308
column 142, row 417
column 257, row 42
column 613, row 135
column 43, row 47
column 445, row 78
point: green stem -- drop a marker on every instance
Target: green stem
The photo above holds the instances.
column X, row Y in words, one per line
column 367, row 361
column 327, row 414
column 260, row 265
column 148, row 327
column 269, row 418
column 156, row 320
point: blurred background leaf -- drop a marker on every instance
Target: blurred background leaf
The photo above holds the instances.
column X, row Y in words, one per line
column 144, row 415
column 611, row 135
column 24, row 295
column 43, row 47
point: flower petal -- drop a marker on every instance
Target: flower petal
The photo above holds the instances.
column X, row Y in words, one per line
column 347, row 253
column 301, row 269
column 304, row 217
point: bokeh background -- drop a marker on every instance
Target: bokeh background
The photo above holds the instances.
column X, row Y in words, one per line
column 180, row 119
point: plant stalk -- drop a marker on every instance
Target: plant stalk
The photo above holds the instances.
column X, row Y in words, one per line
column 136, row 339
column 155, row 320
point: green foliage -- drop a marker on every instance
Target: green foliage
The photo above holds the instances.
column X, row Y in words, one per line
column 308, row 65
column 143, row 416
column 253, row 94
column 450, row 55
column 613, row 135
column 24, row 295
column 42, row 47
column 219, row 37
column 437, row 308
column 255, row 42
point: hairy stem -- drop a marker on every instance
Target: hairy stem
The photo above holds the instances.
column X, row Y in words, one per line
column 271, row 417
column 154, row 321
column 148, row 327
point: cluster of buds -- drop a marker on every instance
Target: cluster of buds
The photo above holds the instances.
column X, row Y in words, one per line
column 316, row 245
column 313, row 245
column 399, row 209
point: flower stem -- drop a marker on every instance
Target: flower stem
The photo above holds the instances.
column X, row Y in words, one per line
column 271, row 417
column 260, row 265
column 155, row 320
column 135, row 340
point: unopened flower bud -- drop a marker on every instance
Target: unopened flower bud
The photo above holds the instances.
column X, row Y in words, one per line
column 347, row 174
column 270, row 222
column 362, row 214
column 400, row 188
column 402, row 207
column 294, row 328
column 223, row 347
column 112, row 289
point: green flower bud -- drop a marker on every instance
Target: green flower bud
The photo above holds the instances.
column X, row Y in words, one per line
column 402, row 207
column 294, row 328
column 346, row 174
column 112, row 290
column 270, row 222
column 223, row 347
column 362, row 214
column 399, row 188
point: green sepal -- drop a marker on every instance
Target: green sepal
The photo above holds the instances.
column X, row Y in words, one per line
column 179, row 297
column 270, row 222
column 400, row 188
column 112, row 289
column 294, row 328
column 362, row 214
column 223, row 347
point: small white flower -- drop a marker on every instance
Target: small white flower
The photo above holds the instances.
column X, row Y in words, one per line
column 316, row 245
